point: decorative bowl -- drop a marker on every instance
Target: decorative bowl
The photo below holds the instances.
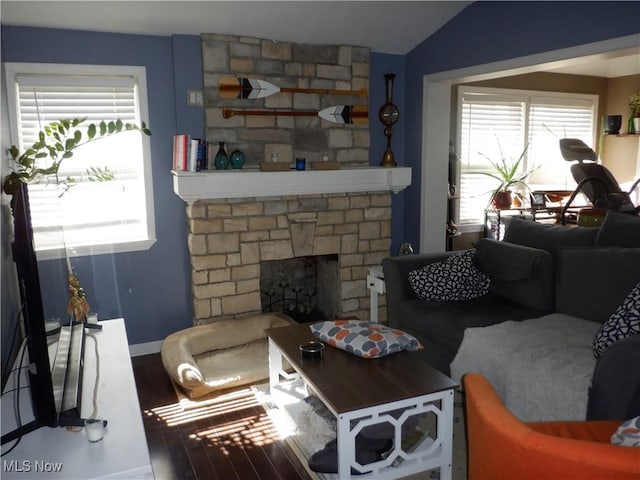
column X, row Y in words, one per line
column 311, row 350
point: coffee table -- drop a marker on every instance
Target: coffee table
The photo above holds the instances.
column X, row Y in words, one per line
column 361, row 393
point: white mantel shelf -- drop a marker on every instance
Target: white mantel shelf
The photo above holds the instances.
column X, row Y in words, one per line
column 216, row 184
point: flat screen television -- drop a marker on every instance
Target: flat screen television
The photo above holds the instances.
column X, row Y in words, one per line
column 46, row 393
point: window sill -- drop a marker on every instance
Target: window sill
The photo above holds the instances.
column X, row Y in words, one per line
column 87, row 250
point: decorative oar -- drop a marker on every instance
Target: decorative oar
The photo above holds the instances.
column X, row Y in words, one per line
column 231, row 87
column 343, row 114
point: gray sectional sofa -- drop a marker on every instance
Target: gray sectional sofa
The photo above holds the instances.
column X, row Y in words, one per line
column 537, row 270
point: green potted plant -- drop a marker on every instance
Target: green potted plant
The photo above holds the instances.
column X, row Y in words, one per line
column 56, row 142
column 634, row 119
column 509, row 174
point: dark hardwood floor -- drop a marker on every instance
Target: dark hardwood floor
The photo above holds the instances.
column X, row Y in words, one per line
column 232, row 440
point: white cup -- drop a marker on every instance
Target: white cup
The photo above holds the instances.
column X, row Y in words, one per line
column 92, row 317
column 94, row 428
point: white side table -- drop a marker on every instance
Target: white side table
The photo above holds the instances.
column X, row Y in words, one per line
column 376, row 286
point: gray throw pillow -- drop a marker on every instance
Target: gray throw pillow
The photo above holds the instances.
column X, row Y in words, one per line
column 622, row 324
column 453, row 279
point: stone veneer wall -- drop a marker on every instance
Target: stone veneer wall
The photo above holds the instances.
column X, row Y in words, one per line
column 229, row 238
column 285, row 65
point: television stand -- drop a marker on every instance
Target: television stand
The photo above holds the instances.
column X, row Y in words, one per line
column 122, row 453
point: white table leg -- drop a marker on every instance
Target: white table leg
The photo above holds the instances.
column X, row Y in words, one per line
column 275, row 364
column 445, row 428
column 346, row 447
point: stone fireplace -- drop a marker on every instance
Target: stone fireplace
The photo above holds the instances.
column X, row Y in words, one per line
column 241, row 219
column 229, row 239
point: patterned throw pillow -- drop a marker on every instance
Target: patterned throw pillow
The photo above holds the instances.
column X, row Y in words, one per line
column 628, row 434
column 453, row 279
column 365, row 339
column 624, row 322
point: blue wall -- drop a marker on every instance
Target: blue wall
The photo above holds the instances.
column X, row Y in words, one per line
column 381, row 64
column 487, row 32
column 150, row 289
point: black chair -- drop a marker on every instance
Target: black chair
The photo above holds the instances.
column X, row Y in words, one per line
column 594, row 180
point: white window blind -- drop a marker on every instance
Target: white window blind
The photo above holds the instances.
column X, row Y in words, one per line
column 550, row 120
column 497, row 122
column 490, row 128
column 90, row 216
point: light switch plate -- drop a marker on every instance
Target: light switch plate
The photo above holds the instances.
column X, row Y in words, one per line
column 195, row 98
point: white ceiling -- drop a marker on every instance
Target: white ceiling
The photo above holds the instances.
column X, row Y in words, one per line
column 611, row 65
column 384, row 26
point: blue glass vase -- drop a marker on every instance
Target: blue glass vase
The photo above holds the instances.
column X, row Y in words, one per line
column 221, row 160
column 237, row 159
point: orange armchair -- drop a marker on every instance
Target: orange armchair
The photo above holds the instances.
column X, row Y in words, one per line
column 501, row 447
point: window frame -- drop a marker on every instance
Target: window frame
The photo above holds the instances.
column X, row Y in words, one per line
column 515, row 95
column 13, row 69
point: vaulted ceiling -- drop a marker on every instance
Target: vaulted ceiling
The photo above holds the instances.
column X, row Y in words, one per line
column 384, row 26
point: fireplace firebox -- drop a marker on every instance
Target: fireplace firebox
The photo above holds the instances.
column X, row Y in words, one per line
column 305, row 288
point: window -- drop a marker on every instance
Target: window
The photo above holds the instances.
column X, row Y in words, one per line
column 91, row 217
column 495, row 120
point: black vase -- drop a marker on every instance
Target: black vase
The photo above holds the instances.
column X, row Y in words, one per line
column 614, row 122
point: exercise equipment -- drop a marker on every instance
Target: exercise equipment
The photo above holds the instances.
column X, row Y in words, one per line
column 594, row 180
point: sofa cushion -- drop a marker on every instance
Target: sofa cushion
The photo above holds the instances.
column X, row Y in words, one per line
column 365, row 339
column 620, row 230
column 453, row 279
column 548, row 237
column 592, row 282
column 518, row 273
column 440, row 326
column 624, row 322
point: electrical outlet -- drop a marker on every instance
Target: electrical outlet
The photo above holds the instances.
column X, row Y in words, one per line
column 195, row 98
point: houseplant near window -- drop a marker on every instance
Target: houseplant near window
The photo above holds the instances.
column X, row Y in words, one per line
column 509, row 174
column 56, row 142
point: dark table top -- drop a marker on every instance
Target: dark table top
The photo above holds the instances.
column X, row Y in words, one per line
column 348, row 382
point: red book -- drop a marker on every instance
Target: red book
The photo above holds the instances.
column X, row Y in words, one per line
column 180, row 152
